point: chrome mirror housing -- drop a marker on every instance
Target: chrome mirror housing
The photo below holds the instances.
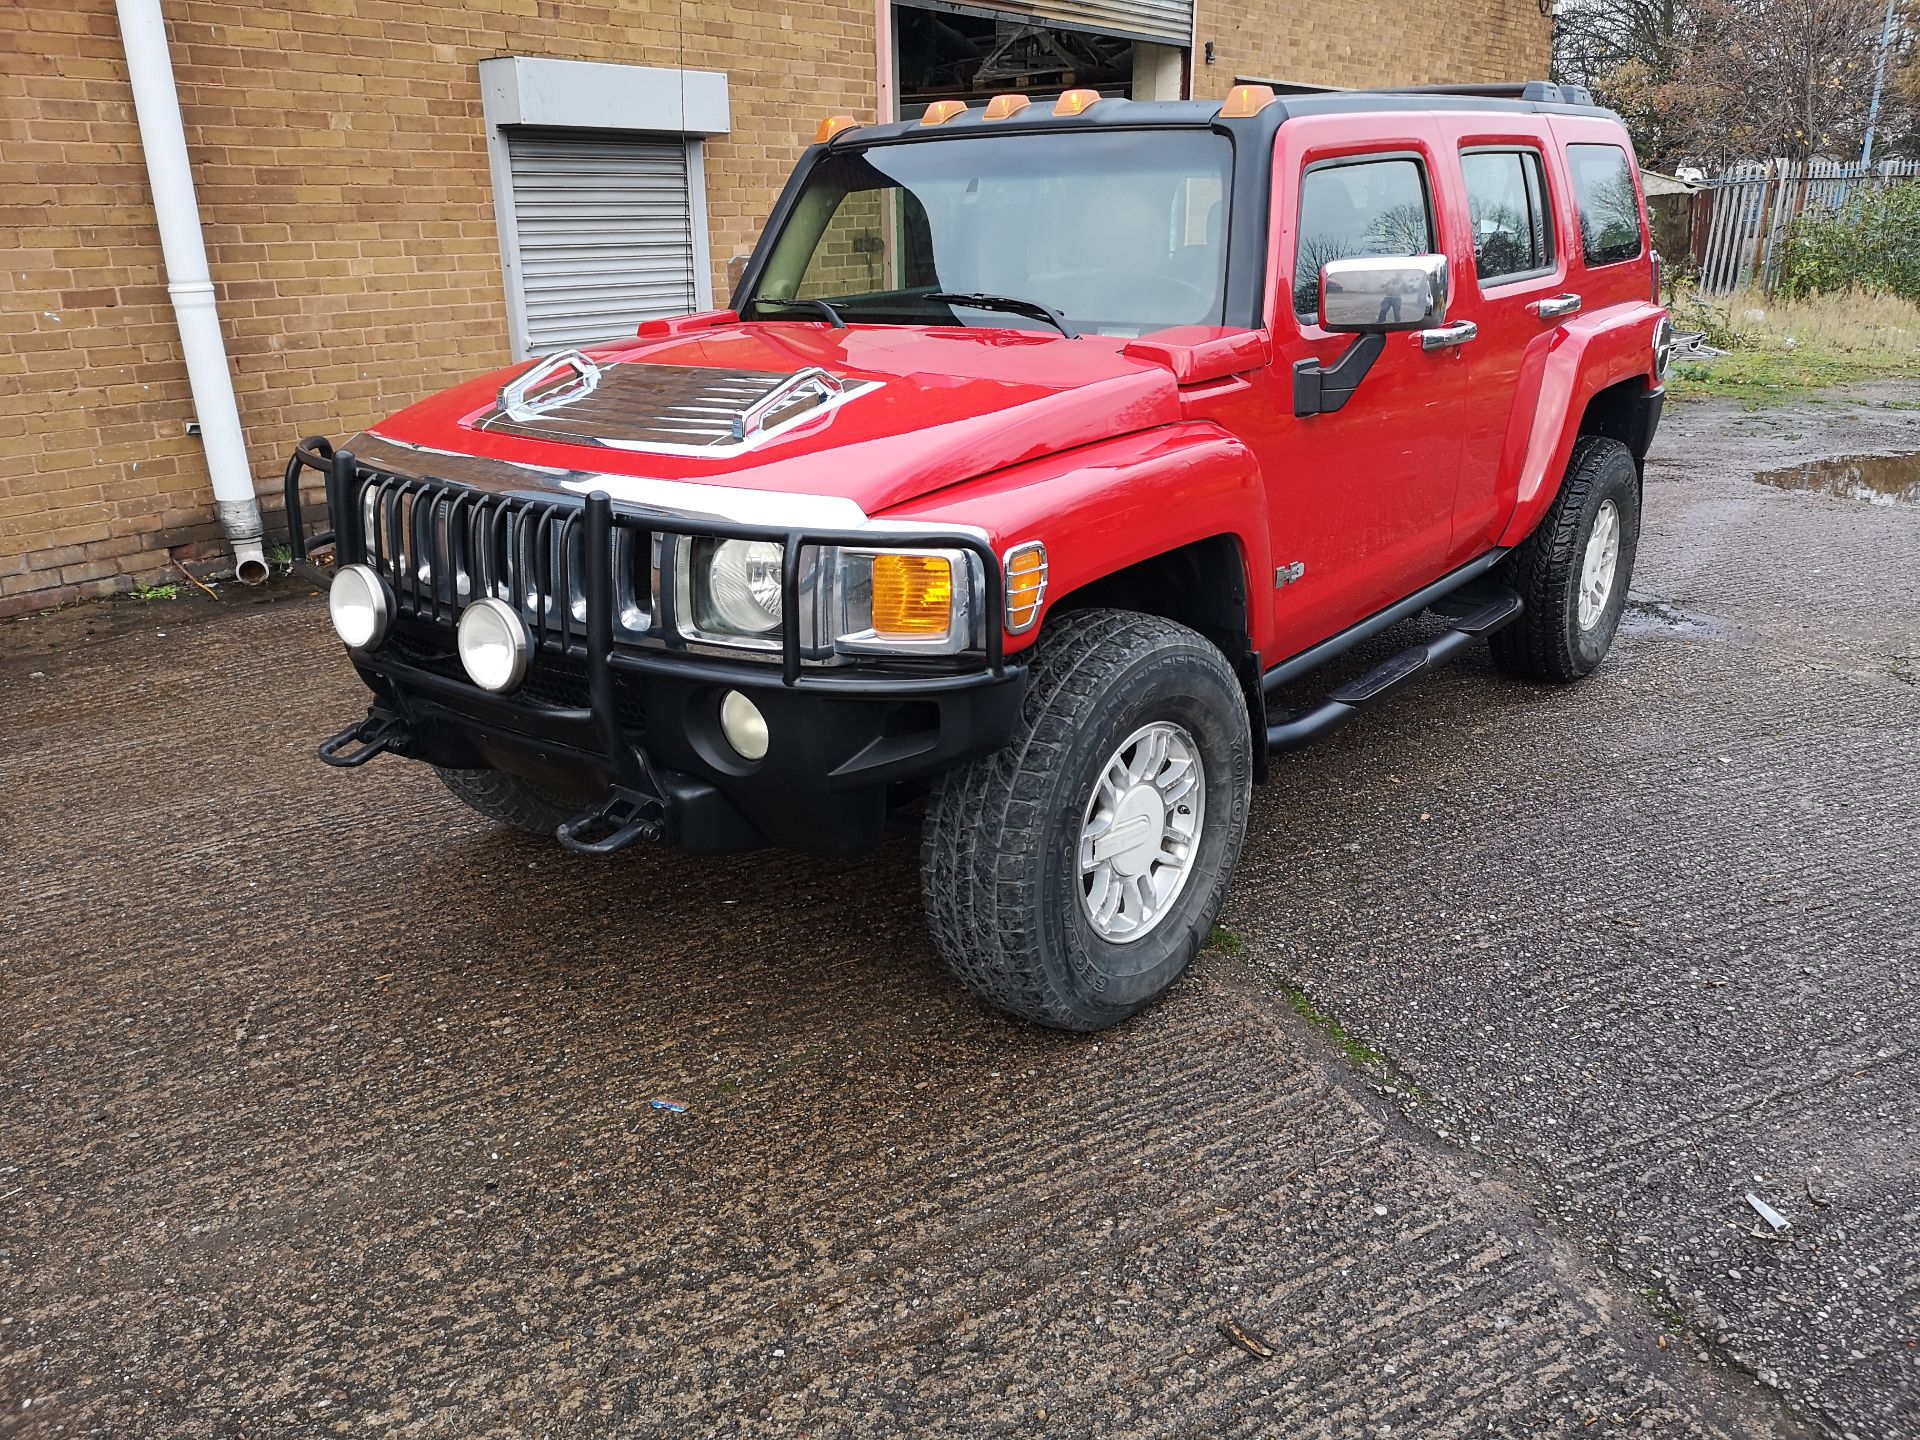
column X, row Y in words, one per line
column 1379, row 293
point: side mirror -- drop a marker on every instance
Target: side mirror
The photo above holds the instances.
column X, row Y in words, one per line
column 1377, row 293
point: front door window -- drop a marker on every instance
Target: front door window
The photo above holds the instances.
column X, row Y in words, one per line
column 1369, row 207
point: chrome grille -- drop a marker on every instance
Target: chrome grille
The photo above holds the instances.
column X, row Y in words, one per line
column 440, row 547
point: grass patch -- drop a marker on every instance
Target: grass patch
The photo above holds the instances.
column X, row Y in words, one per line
column 148, row 593
column 1360, row 1055
column 1662, row 1306
column 1784, row 349
column 1357, row 1051
column 1226, row 942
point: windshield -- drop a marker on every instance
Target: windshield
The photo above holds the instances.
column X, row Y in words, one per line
column 1121, row 232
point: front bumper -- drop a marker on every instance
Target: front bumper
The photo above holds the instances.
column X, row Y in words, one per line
column 593, row 715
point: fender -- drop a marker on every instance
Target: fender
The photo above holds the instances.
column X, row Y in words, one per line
column 1562, row 372
column 1103, row 507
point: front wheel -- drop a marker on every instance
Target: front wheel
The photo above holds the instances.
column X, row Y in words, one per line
column 1072, row 876
column 1573, row 571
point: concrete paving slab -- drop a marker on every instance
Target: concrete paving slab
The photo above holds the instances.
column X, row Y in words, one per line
column 327, row 1109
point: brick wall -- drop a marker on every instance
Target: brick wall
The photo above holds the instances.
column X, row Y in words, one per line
column 340, row 154
column 1390, row 42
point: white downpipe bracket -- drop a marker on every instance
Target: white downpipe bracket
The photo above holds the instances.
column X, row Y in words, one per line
column 156, row 105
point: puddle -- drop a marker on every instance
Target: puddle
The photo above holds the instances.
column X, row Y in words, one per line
column 1874, row 479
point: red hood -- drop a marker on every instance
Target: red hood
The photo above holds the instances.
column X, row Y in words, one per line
column 951, row 404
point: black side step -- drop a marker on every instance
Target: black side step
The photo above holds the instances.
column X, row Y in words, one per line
column 375, row 735
column 619, row 818
column 1501, row 607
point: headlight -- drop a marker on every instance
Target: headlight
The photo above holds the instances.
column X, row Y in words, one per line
column 494, row 645
column 357, row 601
column 737, row 587
column 854, row 601
column 1662, row 346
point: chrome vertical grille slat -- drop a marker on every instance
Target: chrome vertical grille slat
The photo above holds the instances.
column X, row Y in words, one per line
column 440, row 546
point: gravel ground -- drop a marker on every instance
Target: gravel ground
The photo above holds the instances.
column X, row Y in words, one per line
column 326, row 1109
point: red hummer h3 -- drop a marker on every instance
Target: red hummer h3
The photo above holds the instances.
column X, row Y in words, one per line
column 1041, row 445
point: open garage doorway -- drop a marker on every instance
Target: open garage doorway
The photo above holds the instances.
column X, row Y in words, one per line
column 963, row 53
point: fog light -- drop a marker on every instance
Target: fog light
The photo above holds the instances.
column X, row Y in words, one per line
column 743, row 725
column 494, row 645
column 357, row 601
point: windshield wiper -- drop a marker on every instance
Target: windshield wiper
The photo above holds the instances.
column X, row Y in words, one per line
column 1011, row 304
column 819, row 307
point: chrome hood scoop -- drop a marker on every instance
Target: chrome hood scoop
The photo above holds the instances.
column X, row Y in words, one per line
column 661, row 409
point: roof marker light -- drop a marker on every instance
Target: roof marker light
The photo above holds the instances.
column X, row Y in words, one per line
column 941, row 111
column 1244, row 101
column 832, row 126
column 1076, row 102
column 1003, row 106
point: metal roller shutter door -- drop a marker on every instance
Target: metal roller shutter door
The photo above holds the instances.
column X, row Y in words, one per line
column 604, row 235
column 1164, row 22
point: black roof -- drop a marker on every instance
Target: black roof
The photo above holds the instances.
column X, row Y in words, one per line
column 1530, row 97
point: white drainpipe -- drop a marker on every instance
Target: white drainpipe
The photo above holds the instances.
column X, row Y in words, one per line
column 157, row 106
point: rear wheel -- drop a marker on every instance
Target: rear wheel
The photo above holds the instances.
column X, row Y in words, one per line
column 511, row 799
column 1573, row 571
column 1072, row 876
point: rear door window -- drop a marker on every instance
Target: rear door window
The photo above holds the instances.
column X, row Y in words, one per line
column 1609, row 208
column 1506, row 203
column 1354, row 208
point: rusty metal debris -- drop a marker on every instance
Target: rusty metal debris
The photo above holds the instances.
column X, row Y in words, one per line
column 1246, row 1339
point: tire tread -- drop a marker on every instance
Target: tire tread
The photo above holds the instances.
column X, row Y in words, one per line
column 984, row 822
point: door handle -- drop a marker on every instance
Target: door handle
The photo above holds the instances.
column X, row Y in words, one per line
column 1556, row 307
column 1458, row 333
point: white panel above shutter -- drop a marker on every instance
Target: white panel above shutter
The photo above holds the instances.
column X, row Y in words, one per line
column 604, row 232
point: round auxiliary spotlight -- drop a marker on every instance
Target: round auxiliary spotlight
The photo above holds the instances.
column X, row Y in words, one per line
column 357, row 602
column 494, row 645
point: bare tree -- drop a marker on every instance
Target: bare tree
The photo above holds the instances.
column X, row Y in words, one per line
column 1777, row 77
column 1714, row 81
column 1628, row 52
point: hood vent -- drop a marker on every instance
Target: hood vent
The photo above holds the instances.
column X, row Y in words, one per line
column 662, row 409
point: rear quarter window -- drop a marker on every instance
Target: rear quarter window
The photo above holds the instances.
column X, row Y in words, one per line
column 1507, row 206
column 1608, row 205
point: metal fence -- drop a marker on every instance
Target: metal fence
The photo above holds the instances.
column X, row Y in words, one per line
column 1740, row 240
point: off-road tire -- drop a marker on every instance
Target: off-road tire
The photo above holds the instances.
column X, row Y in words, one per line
column 1547, row 642
column 999, row 848
column 511, row 800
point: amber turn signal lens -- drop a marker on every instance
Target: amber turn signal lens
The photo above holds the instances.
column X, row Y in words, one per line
column 832, row 126
column 1245, row 101
column 912, row 596
column 1076, row 102
column 1026, row 584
